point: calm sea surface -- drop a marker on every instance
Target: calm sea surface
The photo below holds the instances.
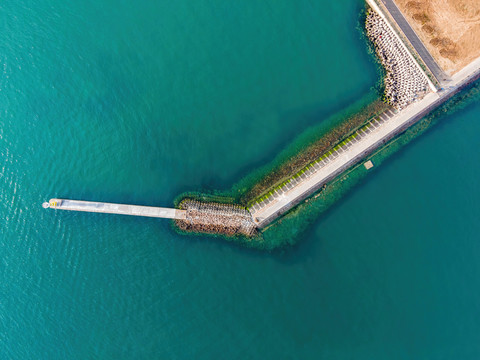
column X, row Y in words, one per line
column 138, row 101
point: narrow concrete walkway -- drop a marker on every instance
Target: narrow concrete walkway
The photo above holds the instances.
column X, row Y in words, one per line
column 109, row 208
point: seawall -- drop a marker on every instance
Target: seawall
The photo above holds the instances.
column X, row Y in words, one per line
column 414, row 106
column 282, row 209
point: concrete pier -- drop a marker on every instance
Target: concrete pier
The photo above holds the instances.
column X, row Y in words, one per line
column 109, row 208
column 407, row 88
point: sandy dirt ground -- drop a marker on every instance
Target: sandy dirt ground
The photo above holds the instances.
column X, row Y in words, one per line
column 450, row 29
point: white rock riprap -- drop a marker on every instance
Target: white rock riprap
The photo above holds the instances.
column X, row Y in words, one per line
column 404, row 81
column 216, row 218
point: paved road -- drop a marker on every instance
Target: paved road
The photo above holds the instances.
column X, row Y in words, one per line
column 415, row 41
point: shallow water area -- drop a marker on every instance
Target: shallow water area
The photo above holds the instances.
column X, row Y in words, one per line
column 137, row 102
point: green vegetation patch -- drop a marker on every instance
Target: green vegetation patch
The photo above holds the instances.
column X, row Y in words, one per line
column 310, row 153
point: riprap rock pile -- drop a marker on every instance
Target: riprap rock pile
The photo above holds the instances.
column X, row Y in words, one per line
column 404, row 81
column 216, row 218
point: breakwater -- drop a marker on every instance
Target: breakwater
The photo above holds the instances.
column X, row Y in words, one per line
column 407, row 91
column 350, row 152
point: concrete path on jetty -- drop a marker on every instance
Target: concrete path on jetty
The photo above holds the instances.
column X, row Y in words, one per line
column 109, row 208
column 415, row 41
column 382, row 129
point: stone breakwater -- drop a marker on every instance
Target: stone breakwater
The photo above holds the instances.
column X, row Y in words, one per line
column 216, row 218
column 404, row 81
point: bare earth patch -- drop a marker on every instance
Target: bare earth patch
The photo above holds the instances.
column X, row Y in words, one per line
column 450, row 29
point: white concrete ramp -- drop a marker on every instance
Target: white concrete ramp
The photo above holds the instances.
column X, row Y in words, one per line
column 109, row 208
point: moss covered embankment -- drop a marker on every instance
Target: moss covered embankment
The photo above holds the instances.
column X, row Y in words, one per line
column 314, row 150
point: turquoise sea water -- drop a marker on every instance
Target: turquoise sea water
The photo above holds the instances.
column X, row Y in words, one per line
column 137, row 102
